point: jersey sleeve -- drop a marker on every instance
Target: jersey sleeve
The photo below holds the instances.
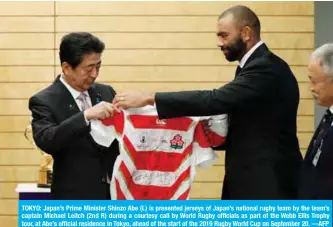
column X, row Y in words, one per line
column 204, row 155
column 104, row 132
column 216, row 129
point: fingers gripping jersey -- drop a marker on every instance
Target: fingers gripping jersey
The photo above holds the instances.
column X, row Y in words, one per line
column 157, row 157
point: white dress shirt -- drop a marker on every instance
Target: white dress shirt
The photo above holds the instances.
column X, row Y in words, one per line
column 249, row 53
column 75, row 93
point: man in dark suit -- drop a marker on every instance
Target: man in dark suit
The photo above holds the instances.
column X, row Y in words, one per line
column 262, row 150
column 61, row 121
column 317, row 177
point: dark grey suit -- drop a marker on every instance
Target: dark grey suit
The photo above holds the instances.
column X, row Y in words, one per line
column 262, row 151
column 59, row 128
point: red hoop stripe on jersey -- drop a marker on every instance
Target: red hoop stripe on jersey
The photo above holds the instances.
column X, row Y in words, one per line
column 156, row 160
column 151, row 191
column 117, row 121
column 215, row 139
column 185, row 195
column 200, row 137
column 120, row 195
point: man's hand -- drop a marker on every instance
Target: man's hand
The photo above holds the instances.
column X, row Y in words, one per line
column 206, row 127
column 100, row 111
column 215, row 129
column 134, row 99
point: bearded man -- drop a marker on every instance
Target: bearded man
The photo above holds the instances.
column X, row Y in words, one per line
column 263, row 158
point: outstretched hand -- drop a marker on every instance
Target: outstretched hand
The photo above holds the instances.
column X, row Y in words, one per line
column 133, row 99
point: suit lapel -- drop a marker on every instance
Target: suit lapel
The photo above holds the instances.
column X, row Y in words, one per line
column 94, row 97
column 238, row 71
column 308, row 151
column 261, row 50
column 66, row 101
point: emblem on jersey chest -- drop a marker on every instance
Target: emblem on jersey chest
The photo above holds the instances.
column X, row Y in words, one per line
column 177, row 142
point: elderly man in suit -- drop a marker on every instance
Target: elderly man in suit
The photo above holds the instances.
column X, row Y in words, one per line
column 317, row 177
column 262, row 149
column 61, row 121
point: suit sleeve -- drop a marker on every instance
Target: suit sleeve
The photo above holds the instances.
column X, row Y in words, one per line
column 250, row 89
column 50, row 136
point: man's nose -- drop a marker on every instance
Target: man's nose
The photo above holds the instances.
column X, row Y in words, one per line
column 220, row 42
column 94, row 73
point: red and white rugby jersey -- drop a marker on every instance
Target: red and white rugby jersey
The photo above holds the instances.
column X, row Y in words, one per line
column 157, row 157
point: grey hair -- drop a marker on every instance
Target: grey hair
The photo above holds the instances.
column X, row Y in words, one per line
column 324, row 54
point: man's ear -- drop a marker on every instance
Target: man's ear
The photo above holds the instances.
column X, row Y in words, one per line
column 66, row 68
column 246, row 33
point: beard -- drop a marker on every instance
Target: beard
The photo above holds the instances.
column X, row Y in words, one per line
column 235, row 51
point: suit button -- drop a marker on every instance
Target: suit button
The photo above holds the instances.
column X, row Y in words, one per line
column 103, row 180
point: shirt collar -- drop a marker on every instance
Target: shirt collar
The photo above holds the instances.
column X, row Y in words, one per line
column 249, row 53
column 71, row 90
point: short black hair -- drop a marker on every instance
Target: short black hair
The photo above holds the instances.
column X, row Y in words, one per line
column 244, row 16
column 75, row 45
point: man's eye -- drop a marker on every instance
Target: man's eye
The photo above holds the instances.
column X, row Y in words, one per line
column 89, row 69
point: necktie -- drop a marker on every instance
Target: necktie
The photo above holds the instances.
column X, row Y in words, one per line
column 236, row 73
column 323, row 130
column 238, row 70
column 84, row 103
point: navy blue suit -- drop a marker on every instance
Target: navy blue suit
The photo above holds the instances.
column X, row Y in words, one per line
column 317, row 179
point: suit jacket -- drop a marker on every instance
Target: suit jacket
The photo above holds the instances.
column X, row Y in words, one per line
column 262, row 150
column 59, row 129
column 317, row 181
